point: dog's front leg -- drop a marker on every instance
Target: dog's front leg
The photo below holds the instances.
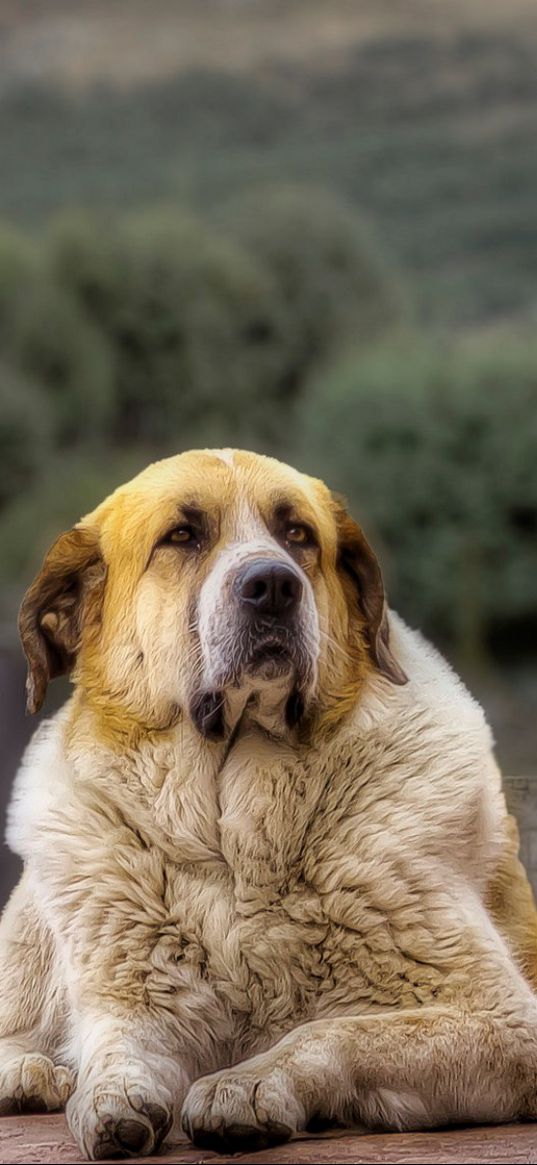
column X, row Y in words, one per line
column 407, row 1070
column 116, row 941
column 130, row 1086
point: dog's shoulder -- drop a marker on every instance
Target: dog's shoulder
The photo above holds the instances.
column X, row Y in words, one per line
column 434, row 693
column 412, row 771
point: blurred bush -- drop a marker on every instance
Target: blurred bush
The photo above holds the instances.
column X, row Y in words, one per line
column 435, row 448
column 24, row 434
column 331, row 281
column 211, row 328
column 193, row 322
column 48, row 337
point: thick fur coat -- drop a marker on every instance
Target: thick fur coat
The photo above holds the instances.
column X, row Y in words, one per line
column 295, row 900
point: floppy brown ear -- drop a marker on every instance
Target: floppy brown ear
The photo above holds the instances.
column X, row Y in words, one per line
column 358, row 562
column 51, row 613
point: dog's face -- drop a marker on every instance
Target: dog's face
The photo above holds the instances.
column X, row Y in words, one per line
column 211, row 583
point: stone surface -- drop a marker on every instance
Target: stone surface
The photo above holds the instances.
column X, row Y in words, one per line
column 47, row 1139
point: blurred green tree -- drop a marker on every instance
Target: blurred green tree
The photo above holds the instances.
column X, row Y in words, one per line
column 25, row 429
column 436, row 449
column 332, row 282
column 193, row 322
column 46, row 335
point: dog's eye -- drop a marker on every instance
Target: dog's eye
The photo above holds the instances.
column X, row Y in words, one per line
column 181, row 535
column 297, row 534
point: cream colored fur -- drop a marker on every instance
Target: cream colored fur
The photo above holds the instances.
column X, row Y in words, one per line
column 254, row 937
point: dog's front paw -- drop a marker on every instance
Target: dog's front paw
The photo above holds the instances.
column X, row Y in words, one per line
column 118, row 1115
column 244, row 1108
column 32, row 1083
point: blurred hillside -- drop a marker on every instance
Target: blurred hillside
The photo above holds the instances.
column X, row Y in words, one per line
column 421, row 114
column 129, row 43
column 305, row 227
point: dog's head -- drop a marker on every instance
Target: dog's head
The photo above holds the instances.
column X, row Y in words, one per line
column 212, row 582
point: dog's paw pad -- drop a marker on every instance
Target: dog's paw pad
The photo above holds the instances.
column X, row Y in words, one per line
column 109, row 1121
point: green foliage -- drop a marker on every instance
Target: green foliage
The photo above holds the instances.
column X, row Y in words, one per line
column 18, row 265
column 436, row 451
column 210, row 333
column 193, row 322
column 330, row 280
column 24, row 434
column 45, row 335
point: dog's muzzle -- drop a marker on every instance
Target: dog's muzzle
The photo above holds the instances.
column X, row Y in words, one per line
column 258, row 638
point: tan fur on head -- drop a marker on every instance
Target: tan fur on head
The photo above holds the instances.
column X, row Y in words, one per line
column 145, row 620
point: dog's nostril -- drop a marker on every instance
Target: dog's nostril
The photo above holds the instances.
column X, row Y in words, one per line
column 254, row 589
column 270, row 588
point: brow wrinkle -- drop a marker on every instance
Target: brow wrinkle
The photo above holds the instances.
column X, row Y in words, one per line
column 192, row 512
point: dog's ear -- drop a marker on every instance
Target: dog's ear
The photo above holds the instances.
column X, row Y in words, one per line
column 358, row 563
column 52, row 611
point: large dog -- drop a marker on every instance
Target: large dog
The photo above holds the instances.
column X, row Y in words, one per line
column 270, row 879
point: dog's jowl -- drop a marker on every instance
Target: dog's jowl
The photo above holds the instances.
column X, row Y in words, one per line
column 269, row 874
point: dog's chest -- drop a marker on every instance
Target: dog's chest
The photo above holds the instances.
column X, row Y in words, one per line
column 287, row 925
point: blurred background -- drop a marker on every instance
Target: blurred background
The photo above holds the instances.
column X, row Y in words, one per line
column 303, row 227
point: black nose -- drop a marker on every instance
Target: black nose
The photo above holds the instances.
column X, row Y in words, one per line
column 269, row 588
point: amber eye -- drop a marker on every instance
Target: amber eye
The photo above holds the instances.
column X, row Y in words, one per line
column 181, row 535
column 297, row 534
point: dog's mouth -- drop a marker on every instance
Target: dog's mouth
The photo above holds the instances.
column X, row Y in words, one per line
column 269, row 659
column 271, row 670
column 208, row 712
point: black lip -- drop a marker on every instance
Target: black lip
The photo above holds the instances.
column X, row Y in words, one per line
column 207, row 712
column 294, row 709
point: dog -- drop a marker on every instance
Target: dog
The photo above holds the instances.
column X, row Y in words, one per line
column 270, row 881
